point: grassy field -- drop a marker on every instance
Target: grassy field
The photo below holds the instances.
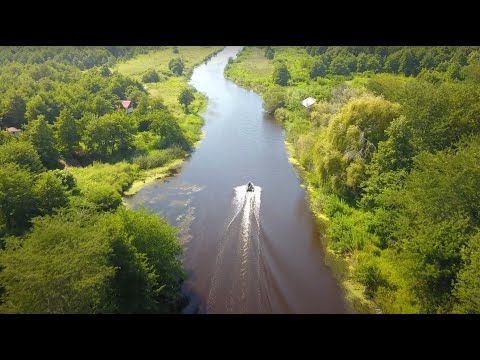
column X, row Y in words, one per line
column 158, row 60
column 170, row 85
column 251, row 69
column 169, row 90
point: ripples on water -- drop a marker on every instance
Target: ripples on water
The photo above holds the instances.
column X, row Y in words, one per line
column 242, row 238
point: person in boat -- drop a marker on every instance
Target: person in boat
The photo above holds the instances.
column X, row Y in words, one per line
column 250, row 187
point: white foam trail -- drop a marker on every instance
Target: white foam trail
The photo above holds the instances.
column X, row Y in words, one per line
column 249, row 203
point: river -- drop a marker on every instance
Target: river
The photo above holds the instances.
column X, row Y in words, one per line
column 245, row 252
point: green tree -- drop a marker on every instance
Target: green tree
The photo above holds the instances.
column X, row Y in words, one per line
column 149, row 245
column 50, row 193
column 319, row 69
column 467, row 288
column 110, row 134
column 105, row 71
column 151, row 76
column 435, row 216
column 36, row 107
column 21, row 153
column 350, row 140
column 269, row 53
column 281, row 75
column 12, row 113
column 372, row 64
column 39, row 133
column 454, row 71
column 67, row 132
column 409, row 63
column 362, row 62
column 339, row 66
column 63, row 266
column 17, row 197
column 5, row 137
column 165, row 125
column 273, row 99
column 185, row 98
column 176, row 66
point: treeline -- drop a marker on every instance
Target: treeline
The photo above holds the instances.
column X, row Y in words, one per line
column 415, row 60
column 68, row 248
column 72, row 114
column 67, row 245
column 393, row 162
column 83, row 57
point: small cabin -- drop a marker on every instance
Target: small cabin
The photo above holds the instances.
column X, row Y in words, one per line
column 127, row 105
column 308, row 102
column 13, row 131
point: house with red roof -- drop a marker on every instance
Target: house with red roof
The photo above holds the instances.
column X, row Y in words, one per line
column 128, row 105
column 13, row 131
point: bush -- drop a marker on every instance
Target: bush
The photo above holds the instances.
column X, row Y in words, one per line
column 67, row 178
column 176, row 66
column 273, row 99
column 104, row 196
column 151, row 76
column 158, row 158
column 370, row 275
column 269, row 53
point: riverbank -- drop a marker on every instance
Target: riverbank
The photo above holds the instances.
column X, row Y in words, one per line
column 167, row 90
column 253, row 70
column 343, row 267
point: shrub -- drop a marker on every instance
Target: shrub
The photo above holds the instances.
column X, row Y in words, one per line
column 151, row 76
column 370, row 275
column 158, row 158
column 104, row 196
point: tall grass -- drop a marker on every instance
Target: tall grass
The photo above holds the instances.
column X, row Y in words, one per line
column 158, row 158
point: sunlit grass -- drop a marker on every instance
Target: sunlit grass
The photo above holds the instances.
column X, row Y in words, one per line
column 158, row 60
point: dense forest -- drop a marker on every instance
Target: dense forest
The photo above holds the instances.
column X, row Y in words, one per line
column 67, row 244
column 391, row 154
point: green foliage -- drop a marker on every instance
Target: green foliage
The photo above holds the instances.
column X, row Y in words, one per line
column 185, row 98
column 40, row 134
column 104, row 196
column 82, row 262
column 158, row 158
column 5, row 137
column 436, row 215
column 273, row 99
column 269, row 53
column 50, row 193
column 281, row 75
column 319, row 69
column 349, row 141
column 67, row 132
column 21, row 153
column 165, row 125
column 110, row 134
column 66, row 177
column 152, row 274
column 467, row 288
column 119, row 175
column 371, row 276
column 395, row 173
column 17, row 197
column 151, row 76
column 65, row 261
column 176, row 66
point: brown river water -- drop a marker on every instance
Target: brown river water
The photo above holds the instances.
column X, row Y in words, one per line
column 245, row 252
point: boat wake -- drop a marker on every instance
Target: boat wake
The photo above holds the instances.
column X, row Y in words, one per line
column 238, row 282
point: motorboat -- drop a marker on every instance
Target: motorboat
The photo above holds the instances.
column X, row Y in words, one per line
column 250, row 187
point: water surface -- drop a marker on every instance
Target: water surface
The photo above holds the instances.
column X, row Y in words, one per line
column 245, row 252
